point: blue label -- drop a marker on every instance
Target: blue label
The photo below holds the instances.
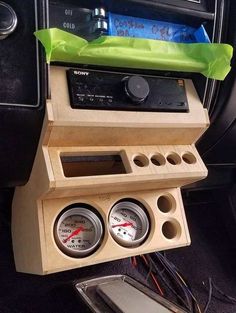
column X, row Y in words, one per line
column 128, row 26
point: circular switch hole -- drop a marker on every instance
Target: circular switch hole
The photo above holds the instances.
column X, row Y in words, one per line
column 171, row 229
column 173, row 158
column 189, row 158
column 158, row 159
column 141, row 160
column 166, row 204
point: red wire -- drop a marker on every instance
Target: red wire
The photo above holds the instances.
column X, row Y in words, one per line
column 134, row 261
column 153, row 277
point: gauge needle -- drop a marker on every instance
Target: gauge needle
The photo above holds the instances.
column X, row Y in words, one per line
column 123, row 225
column 76, row 232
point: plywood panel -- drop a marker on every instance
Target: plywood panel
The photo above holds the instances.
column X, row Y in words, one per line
column 137, row 178
column 52, row 259
column 101, row 127
column 131, row 134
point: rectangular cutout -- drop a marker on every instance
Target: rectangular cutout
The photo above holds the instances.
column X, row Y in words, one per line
column 92, row 165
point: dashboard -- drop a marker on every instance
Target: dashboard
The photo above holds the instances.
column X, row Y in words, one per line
column 25, row 84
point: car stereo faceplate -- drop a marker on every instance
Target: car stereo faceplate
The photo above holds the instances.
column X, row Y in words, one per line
column 91, row 89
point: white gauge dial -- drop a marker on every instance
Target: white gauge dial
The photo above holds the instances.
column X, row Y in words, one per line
column 78, row 231
column 128, row 223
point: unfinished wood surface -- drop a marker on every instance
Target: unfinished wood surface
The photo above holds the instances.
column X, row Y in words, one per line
column 163, row 143
column 100, row 127
column 112, row 136
column 42, row 256
column 144, row 167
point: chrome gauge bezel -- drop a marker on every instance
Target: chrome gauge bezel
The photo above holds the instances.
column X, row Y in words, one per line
column 84, row 211
column 140, row 211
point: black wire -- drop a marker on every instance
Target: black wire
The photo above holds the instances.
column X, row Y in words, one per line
column 169, row 268
column 149, row 267
column 160, row 273
column 227, row 297
column 209, row 296
column 179, row 283
column 149, row 271
column 174, row 269
column 194, row 301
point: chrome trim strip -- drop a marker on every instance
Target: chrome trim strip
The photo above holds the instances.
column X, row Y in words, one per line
column 195, row 1
column 218, row 40
column 216, row 37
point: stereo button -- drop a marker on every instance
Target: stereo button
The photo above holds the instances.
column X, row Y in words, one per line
column 136, row 88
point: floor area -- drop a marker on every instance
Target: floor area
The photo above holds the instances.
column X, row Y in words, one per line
column 211, row 254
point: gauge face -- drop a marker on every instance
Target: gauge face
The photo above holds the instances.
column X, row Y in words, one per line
column 78, row 231
column 128, row 223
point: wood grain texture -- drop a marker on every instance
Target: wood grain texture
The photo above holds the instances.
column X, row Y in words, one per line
column 110, row 128
column 49, row 258
column 136, row 178
column 72, row 133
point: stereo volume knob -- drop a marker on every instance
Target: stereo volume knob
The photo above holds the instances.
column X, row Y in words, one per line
column 8, row 20
column 136, row 88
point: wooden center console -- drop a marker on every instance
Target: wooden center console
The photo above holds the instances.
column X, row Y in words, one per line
column 99, row 158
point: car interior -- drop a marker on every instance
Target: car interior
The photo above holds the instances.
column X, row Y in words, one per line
column 117, row 156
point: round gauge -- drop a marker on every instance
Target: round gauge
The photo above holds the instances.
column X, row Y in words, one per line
column 128, row 223
column 78, row 231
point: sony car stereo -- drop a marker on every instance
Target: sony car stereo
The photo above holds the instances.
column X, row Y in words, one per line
column 92, row 89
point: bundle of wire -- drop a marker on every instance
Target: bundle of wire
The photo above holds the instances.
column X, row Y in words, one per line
column 161, row 269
